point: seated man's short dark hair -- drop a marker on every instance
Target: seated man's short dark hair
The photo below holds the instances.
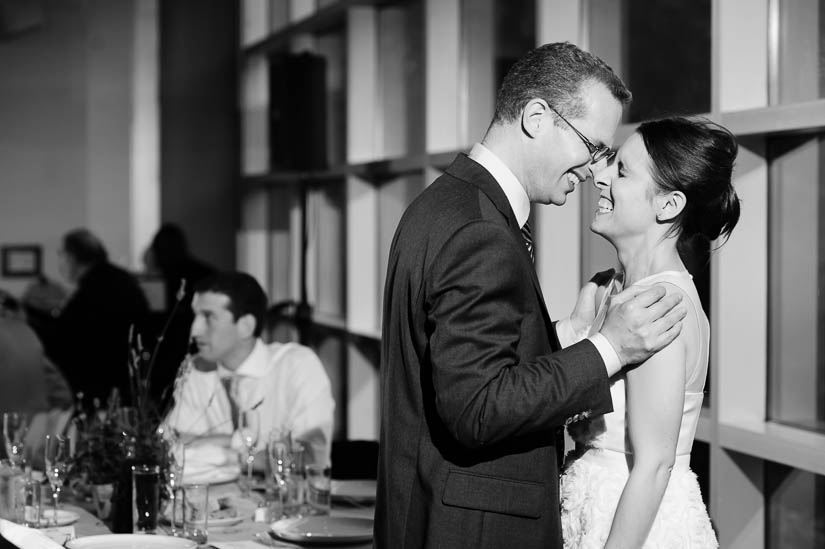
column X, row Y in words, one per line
column 246, row 297
column 84, row 247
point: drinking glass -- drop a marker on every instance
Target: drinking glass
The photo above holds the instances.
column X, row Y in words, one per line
column 145, row 498
column 177, row 460
column 196, row 512
column 28, row 502
column 286, row 485
column 9, row 474
column 57, row 465
column 15, row 427
column 249, row 431
column 319, row 488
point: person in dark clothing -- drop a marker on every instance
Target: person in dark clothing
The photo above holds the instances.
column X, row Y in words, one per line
column 169, row 258
column 91, row 344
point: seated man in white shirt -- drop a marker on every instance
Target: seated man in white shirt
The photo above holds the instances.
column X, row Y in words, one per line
column 284, row 385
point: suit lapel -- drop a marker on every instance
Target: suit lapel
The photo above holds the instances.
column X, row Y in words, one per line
column 470, row 171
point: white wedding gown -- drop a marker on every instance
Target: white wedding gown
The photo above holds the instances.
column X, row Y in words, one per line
column 596, row 472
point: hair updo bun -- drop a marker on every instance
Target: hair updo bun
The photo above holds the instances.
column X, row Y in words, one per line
column 695, row 157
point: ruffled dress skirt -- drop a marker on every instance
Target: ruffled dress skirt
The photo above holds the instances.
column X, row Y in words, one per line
column 590, row 489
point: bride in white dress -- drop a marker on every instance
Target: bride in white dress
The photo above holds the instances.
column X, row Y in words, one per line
column 628, row 483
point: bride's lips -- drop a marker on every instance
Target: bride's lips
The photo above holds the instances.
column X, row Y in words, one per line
column 605, row 205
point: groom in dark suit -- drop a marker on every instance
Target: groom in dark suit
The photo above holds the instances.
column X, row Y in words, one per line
column 475, row 382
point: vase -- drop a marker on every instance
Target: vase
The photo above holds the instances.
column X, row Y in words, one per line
column 102, row 498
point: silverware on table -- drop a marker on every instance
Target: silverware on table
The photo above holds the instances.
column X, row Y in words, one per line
column 265, row 539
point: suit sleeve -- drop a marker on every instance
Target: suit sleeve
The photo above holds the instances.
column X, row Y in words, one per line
column 480, row 305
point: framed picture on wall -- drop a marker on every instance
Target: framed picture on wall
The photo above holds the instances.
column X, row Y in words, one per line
column 22, row 260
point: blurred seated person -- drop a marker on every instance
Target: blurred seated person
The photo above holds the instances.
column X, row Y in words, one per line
column 29, row 382
column 284, row 385
column 91, row 345
column 168, row 257
column 41, row 303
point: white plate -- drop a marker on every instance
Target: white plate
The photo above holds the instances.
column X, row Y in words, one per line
column 354, row 490
column 324, row 529
column 130, row 541
column 64, row 518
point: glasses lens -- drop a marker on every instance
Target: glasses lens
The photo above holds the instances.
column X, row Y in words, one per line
column 603, row 154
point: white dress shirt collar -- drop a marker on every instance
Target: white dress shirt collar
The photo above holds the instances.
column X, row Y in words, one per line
column 255, row 365
column 509, row 183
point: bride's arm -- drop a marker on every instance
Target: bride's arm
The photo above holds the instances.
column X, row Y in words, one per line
column 655, row 400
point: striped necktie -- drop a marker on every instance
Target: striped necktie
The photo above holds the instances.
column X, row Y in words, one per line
column 229, row 385
column 527, row 234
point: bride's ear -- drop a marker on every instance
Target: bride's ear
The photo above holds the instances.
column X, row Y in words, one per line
column 670, row 205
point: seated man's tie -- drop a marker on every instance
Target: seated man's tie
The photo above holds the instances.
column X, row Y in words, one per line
column 230, row 386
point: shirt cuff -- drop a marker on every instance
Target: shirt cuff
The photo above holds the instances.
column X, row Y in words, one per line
column 567, row 335
column 609, row 354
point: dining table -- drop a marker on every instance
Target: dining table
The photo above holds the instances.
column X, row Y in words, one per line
column 351, row 501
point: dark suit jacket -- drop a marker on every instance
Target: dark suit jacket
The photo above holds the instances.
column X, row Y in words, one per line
column 92, row 337
column 474, row 385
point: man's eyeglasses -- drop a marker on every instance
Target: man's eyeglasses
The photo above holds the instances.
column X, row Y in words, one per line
column 597, row 153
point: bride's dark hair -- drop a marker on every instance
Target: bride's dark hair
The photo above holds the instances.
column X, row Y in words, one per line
column 696, row 157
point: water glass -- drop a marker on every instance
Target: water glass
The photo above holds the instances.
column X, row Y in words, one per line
column 29, row 502
column 196, row 512
column 249, row 431
column 177, row 457
column 319, row 489
column 145, row 498
column 10, row 476
column 287, row 486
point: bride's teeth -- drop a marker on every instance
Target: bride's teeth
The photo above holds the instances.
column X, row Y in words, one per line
column 605, row 205
column 573, row 178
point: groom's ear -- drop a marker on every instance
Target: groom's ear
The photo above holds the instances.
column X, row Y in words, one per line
column 669, row 205
column 533, row 116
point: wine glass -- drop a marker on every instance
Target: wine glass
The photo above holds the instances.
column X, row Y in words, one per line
column 57, row 465
column 177, row 460
column 15, row 427
column 249, row 431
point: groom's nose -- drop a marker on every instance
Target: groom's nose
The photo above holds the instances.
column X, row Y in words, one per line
column 602, row 178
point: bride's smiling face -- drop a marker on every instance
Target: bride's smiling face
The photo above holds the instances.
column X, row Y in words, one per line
column 626, row 194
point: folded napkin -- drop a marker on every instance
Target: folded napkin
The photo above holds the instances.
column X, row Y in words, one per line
column 25, row 538
column 210, row 463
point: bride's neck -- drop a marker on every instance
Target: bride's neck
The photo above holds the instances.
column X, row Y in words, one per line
column 642, row 258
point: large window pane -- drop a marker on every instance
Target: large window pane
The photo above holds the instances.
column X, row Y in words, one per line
column 515, row 33
column 794, row 508
column 332, row 46
column 495, row 34
column 401, row 67
column 660, row 49
column 797, row 273
column 326, row 248
column 801, row 57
